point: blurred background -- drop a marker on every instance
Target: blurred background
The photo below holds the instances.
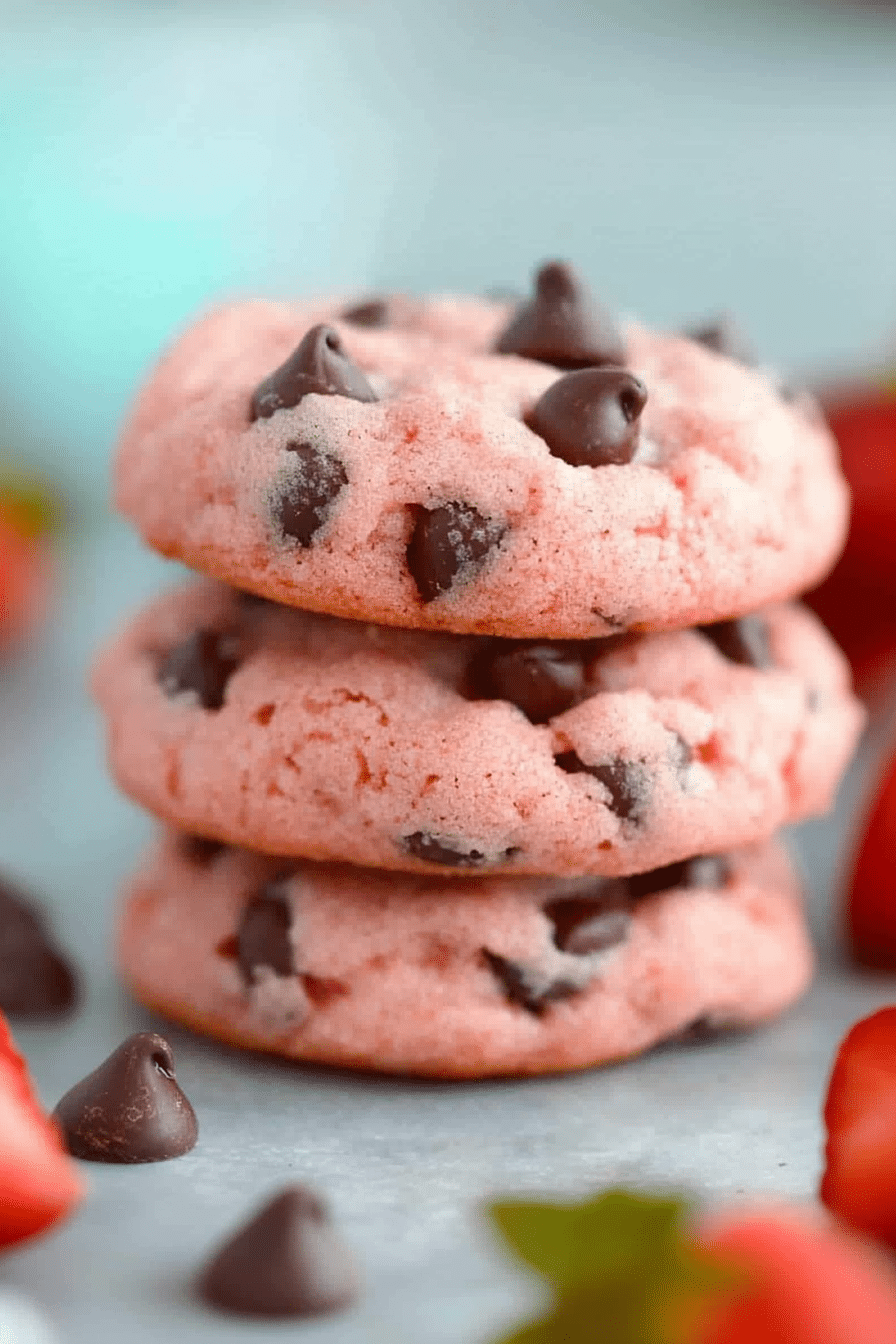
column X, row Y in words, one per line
column 685, row 153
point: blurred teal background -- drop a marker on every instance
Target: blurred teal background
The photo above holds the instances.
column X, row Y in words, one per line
column 686, row 153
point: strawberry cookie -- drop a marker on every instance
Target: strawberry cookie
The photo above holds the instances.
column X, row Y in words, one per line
column 459, row 979
column 458, row 464
column 295, row 733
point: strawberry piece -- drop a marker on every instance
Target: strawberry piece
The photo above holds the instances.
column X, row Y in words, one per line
column 39, row 1184
column 859, row 1182
column 871, row 900
column 24, row 581
column 805, row 1283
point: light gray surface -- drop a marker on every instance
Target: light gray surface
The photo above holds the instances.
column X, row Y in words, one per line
column 405, row 1164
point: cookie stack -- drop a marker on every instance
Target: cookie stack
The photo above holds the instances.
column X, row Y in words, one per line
column 472, row 741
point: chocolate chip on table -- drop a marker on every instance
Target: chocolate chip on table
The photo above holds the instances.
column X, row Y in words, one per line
column 723, row 335
column 36, row 979
column 196, row 849
column 450, row 853
column 542, row 680
column 628, row 782
column 562, row 325
column 318, row 364
column 263, row 939
column 591, row 418
column 307, row 492
column 525, row 987
column 372, row 313
column 449, row 543
column 202, row 666
column 288, row 1260
column 585, row 925
column 131, row 1108
column 743, row 641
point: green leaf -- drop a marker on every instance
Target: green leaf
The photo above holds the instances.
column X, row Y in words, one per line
column 621, row 1266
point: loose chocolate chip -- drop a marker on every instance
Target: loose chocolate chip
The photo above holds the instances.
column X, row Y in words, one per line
column 307, row 493
column 628, row 782
column 723, row 335
column 373, row 313
column 263, row 937
column 202, row 665
column 318, row 364
column 288, row 1260
column 196, row 849
column 562, row 325
column 591, row 418
column 542, row 680
column 744, row 641
column 449, row 543
column 450, row 853
column 585, row 925
column 525, row 988
column 36, row 980
column 706, row 870
column 130, row 1109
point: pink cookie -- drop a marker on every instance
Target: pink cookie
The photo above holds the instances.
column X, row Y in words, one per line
column 413, row 475
column 293, row 733
column 459, row 979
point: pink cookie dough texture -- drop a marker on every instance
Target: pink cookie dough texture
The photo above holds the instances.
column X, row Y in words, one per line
column 734, row 499
column 338, row 740
column 462, row 980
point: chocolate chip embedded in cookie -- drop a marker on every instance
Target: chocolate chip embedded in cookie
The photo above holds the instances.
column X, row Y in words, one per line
column 318, row 364
column 449, row 545
column 303, row 500
column 562, row 324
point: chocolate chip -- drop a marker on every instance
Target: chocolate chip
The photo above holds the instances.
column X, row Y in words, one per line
column 591, row 418
column 130, row 1109
column 373, row 313
column 584, row 925
column 36, row 980
column 542, row 680
column 450, row 853
column 196, row 849
column 723, row 335
column 449, row 544
column 744, row 641
column 521, row 985
column 263, row 937
column 706, row 870
column 307, row 493
column 562, row 325
column 202, row 666
column 628, row 782
column 318, row 364
column 288, row 1260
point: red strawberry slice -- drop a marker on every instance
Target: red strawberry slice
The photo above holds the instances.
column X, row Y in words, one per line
column 24, row 581
column 806, row 1283
column 871, row 902
column 38, row 1182
column 859, row 1182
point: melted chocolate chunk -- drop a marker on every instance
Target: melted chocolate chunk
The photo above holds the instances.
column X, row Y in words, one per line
column 307, row 493
column 744, row 641
column 263, row 936
column 523, row 987
column 287, row 1261
column 196, row 849
column 542, row 680
column 562, row 325
column 318, row 364
column 449, row 543
column 450, row 853
column 628, row 782
column 36, row 980
column 723, row 335
column 372, row 313
column 130, row 1109
column 591, row 418
column 584, row 925
column 202, row 665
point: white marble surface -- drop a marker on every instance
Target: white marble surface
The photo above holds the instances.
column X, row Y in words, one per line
column 405, row 1164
